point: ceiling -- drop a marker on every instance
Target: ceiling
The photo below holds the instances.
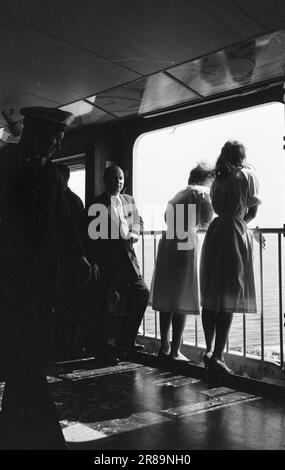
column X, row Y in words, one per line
column 109, row 59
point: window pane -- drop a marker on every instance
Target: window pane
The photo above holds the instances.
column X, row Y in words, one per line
column 77, row 183
column 163, row 159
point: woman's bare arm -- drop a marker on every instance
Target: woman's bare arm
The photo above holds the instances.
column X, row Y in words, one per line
column 251, row 214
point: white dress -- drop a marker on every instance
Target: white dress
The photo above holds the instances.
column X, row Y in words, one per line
column 174, row 286
column 226, row 270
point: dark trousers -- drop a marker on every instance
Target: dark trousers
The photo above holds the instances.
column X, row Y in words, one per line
column 71, row 304
column 133, row 299
column 136, row 296
column 28, row 418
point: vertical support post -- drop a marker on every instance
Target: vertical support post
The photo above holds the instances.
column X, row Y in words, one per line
column 280, row 300
column 261, row 297
column 143, row 271
column 196, row 331
column 154, row 260
column 244, row 334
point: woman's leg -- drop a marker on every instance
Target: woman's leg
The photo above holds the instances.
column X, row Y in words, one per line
column 178, row 325
column 223, row 325
column 165, row 319
column 165, row 322
column 209, row 327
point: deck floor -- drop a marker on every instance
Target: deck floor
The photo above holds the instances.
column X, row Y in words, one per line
column 142, row 407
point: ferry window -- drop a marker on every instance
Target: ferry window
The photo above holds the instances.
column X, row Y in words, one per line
column 163, row 158
column 77, row 182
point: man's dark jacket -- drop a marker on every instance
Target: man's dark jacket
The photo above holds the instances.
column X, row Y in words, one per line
column 35, row 231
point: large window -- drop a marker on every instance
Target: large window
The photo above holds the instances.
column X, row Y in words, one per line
column 163, row 159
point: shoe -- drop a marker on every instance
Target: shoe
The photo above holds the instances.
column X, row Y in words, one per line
column 219, row 366
column 124, row 352
column 180, row 357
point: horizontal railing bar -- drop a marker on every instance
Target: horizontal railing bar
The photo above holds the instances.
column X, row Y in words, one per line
column 257, row 230
column 268, row 230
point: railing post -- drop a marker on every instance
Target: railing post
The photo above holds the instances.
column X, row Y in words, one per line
column 244, row 334
column 154, row 261
column 261, row 297
column 196, row 331
column 280, row 301
column 143, row 272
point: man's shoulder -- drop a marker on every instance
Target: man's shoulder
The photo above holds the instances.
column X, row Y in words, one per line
column 12, row 152
column 13, row 160
column 105, row 199
column 70, row 194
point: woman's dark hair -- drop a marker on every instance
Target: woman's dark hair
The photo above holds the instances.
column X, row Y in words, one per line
column 200, row 173
column 232, row 156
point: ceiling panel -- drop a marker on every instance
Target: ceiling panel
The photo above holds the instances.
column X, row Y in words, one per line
column 270, row 60
column 239, row 66
column 145, row 36
column 60, row 52
column 85, row 113
column 16, row 101
column 124, row 100
column 161, row 91
column 144, row 95
column 50, row 69
column 270, row 14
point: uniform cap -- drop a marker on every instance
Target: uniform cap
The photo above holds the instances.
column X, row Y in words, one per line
column 57, row 116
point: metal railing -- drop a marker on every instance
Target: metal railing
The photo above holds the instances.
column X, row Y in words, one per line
column 269, row 318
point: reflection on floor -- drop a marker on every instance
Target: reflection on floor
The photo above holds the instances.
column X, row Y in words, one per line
column 138, row 406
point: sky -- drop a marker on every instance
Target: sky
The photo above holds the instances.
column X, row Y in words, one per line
column 164, row 158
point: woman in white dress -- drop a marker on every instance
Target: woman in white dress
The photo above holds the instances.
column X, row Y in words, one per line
column 174, row 291
column 226, row 270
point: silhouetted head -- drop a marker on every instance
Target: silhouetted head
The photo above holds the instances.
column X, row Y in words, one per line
column 201, row 174
column 114, row 180
column 43, row 130
column 232, row 157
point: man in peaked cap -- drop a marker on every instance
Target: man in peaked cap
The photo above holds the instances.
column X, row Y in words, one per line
column 36, row 229
column 45, row 127
column 62, row 119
